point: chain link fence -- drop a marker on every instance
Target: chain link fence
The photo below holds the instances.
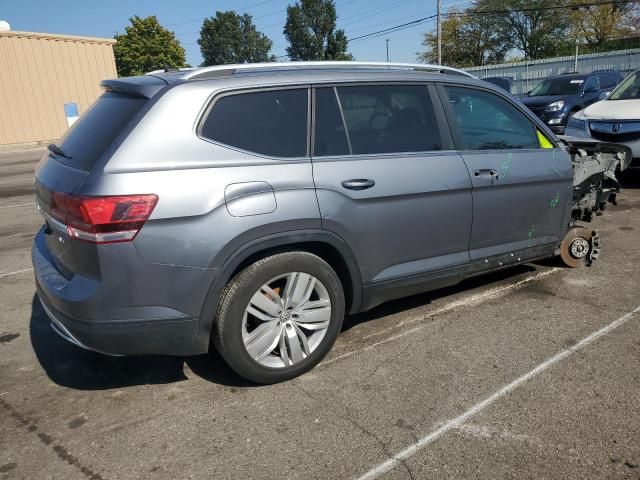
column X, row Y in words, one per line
column 527, row 74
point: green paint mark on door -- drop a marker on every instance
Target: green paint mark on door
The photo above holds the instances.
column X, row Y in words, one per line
column 532, row 229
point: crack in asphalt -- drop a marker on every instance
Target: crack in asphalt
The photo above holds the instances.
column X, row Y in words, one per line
column 61, row 452
column 361, row 428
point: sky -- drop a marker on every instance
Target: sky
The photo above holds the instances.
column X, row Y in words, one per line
column 107, row 17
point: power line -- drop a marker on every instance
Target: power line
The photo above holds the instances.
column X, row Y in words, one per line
column 485, row 12
column 263, row 2
column 372, row 13
column 390, row 29
column 573, row 6
column 261, row 16
column 406, row 17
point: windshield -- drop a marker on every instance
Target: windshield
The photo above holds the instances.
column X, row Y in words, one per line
column 558, row 86
column 629, row 89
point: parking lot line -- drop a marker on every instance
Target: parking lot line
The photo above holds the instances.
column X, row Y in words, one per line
column 7, row 274
column 471, row 300
column 16, row 206
column 456, row 422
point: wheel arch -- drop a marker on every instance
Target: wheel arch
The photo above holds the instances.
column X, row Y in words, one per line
column 327, row 245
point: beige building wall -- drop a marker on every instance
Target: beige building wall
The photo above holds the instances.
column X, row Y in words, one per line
column 40, row 73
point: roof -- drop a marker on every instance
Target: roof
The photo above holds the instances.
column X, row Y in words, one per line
column 56, row 36
column 291, row 73
column 271, row 68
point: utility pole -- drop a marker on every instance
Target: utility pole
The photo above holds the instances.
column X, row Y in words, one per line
column 439, row 27
column 575, row 61
column 387, row 50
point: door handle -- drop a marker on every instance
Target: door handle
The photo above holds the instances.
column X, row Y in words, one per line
column 486, row 172
column 358, row 184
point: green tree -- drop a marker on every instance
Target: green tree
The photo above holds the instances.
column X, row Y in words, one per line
column 232, row 38
column 535, row 27
column 146, row 46
column 311, row 32
column 598, row 24
column 467, row 41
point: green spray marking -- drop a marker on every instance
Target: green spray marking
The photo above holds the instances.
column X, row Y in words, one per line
column 554, row 202
column 504, row 168
column 530, row 235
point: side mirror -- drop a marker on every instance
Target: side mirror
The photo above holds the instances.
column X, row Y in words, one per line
column 590, row 90
column 603, row 95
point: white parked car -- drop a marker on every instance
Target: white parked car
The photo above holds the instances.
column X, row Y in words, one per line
column 615, row 119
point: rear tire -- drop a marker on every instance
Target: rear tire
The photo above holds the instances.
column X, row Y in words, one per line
column 279, row 317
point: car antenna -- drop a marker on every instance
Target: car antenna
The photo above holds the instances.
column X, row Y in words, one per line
column 167, row 68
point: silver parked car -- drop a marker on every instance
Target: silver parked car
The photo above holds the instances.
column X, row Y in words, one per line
column 251, row 207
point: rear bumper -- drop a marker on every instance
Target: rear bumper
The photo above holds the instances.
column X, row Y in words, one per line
column 148, row 337
column 81, row 310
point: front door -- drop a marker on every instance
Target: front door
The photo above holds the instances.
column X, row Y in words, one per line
column 522, row 191
column 386, row 182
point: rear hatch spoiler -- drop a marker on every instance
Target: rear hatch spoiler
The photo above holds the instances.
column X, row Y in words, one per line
column 145, row 86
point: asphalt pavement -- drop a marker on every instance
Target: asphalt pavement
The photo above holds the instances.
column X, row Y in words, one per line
column 532, row 372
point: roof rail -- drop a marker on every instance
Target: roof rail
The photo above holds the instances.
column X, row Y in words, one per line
column 228, row 70
column 174, row 70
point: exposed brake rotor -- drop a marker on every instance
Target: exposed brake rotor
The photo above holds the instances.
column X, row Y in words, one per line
column 580, row 247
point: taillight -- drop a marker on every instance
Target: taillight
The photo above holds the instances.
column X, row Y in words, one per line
column 102, row 219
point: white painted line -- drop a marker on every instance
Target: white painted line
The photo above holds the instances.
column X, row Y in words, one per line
column 470, row 300
column 13, row 235
column 467, row 301
column 371, row 346
column 2, row 275
column 26, row 181
column 18, row 205
column 456, row 422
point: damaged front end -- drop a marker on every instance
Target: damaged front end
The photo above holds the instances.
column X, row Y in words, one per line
column 594, row 176
column 594, row 185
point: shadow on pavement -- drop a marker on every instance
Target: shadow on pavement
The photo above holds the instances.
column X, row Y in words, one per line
column 630, row 178
column 73, row 367
column 397, row 306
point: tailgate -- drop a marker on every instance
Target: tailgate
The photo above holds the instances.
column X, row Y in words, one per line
column 68, row 255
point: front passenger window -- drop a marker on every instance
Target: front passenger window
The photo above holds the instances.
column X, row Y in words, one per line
column 486, row 121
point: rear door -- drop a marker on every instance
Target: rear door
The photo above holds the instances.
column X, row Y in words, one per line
column 388, row 181
column 522, row 183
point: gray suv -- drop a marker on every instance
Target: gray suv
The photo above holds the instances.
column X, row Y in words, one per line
column 251, row 207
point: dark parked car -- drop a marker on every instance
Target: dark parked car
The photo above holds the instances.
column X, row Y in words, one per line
column 557, row 98
column 505, row 83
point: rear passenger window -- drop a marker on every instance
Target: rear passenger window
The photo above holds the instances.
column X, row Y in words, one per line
column 330, row 135
column 272, row 122
column 486, row 121
column 379, row 119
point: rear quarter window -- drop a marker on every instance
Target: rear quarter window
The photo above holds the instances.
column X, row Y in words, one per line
column 271, row 122
column 97, row 128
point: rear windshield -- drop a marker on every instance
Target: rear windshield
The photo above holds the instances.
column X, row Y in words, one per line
column 97, row 128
